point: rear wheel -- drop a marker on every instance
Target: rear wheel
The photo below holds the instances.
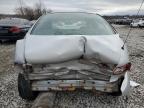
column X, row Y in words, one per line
column 118, row 93
column 139, row 26
column 24, row 88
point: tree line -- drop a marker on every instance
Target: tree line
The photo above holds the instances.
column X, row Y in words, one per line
column 31, row 13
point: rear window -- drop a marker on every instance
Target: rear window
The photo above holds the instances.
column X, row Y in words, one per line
column 72, row 24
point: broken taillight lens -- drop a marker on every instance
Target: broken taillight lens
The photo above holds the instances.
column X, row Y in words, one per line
column 122, row 69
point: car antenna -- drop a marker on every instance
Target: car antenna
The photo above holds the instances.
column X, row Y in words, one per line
column 131, row 27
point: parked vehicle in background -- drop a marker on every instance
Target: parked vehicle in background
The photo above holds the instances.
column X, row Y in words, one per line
column 77, row 51
column 33, row 21
column 137, row 23
column 13, row 28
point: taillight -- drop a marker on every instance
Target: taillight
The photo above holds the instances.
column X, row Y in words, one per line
column 15, row 29
column 122, row 69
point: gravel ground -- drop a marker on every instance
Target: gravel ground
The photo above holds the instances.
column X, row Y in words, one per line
column 79, row 99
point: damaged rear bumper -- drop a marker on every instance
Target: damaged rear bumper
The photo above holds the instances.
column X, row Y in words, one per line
column 70, row 85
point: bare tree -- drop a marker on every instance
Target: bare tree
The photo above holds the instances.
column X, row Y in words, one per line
column 31, row 13
column 40, row 9
column 21, row 11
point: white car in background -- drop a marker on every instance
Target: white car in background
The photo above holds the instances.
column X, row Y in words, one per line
column 137, row 23
column 72, row 50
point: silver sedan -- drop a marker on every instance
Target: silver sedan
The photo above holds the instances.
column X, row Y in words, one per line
column 72, row 50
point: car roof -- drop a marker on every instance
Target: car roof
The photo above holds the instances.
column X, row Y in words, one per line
column 13, row 21
column 53, row 12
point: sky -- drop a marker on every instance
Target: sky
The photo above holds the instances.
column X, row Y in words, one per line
column 103, row 7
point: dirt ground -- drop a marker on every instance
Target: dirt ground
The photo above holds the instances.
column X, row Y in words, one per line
column 9, row 97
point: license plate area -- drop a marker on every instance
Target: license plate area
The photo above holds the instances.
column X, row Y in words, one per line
column 69, row 85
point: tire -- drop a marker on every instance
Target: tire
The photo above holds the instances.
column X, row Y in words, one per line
column 132, row 26
column 140, row 26
column 24, row 88
column 118, row 93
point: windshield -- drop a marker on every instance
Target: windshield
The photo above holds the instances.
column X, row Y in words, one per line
column 72, row 24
